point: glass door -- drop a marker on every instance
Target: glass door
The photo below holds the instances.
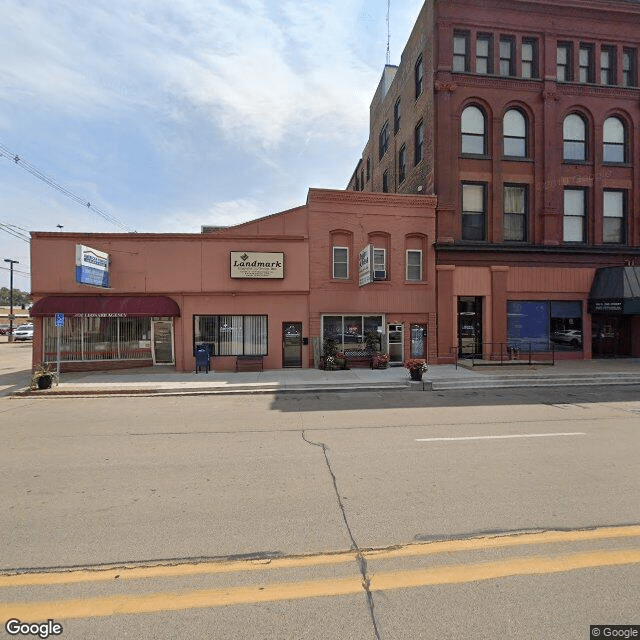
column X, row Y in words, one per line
column 469, row 327
column 395, row 334
column 419, row 341
column 162, row 340
column 292, row 344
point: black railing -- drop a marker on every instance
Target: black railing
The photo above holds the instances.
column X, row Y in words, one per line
column 503, row 352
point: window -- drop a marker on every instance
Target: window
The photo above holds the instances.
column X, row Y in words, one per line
column 515, row 213
column 368, row 169
column 575, row 210
column 231, row 335
column 507, row 58
column 514, row 126
column 402, row 163
column 379, row 264
column 574, row 134
column 349, row 331
column 473, row 211
column 484, row 54
column 340, row 263
column 607, row 65
column 384, row 139
column 614, row 141
column 473, row 131
column 564, row 67
column 460, row 52
column 419, row 76
column 414, row 265
column 418, row 143
column 396, row 116
column 362, row 180
column 585, row 63
column 385, row 182
column 529, row 58
column 629, row 67
column 540, row 324
column 613, row 211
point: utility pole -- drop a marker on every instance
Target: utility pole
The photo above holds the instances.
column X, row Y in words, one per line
column 11, row 263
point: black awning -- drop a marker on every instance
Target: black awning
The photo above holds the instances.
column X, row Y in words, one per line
column 123, row 306
column 616, row 290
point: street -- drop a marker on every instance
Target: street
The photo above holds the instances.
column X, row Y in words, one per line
column 485, row 514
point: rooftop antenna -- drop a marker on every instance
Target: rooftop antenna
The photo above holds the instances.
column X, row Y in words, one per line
column 388, row 33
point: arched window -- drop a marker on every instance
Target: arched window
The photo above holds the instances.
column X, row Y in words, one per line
column 514, row 128
column 574, row 135
column 614, row 141
column 472, row 126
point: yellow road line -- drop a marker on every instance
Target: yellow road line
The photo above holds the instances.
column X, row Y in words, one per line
column 452, row 574
column 294, row 562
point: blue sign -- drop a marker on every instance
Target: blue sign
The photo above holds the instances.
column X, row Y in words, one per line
column 59, row 319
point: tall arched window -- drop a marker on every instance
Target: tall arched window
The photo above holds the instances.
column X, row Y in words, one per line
column 614, row 141
column 514, row 129
column 574, row 135
column 472, row 126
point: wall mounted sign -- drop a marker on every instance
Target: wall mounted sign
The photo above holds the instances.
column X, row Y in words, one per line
column 365, row 266
column 92, row 266
column 606, row 306
column 251, row 264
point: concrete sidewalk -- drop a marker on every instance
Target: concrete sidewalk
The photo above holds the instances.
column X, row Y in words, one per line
column 15, row 377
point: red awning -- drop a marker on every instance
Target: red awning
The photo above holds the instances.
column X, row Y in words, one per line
column 123, row 306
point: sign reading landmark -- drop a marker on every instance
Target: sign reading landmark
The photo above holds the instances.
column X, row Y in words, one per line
column 365, row 266
column 250, row 264
column 92, row 266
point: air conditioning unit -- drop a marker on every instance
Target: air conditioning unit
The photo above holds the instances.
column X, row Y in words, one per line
column 380, row 275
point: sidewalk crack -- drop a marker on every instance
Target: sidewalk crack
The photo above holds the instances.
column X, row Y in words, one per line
column 361, row 560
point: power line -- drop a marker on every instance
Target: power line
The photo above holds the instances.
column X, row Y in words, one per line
column 24, row 273
column 4, row 152
column 13, row 231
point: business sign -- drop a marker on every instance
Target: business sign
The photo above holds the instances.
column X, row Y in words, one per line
column 250, row 264
column 59, row 319
column 606, row 306
column 365, row 266
column 92, row 266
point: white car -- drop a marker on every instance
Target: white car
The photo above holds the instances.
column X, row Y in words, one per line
column 24, row 332
column 571, row 337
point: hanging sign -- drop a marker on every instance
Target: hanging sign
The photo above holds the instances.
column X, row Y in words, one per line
column 365, row 266
column 92, row 266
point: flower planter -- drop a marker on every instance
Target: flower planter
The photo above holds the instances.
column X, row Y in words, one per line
column 415, row 374
column 45, row 382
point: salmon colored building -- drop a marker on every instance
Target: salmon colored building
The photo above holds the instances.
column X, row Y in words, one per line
column 267, row 291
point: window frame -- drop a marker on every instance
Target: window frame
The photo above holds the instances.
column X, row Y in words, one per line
column 385, row 181
column 418, row 76
column 567, row 66
column 402, row 164
column 524, row 137
column 407, row 265
column 629, row 71
column 524, row 215
column 377, row 251
column 533, row 63
column 586, row 72
column 418, row 143
column 574, row 141
column 383, row 140
column 468, row 212
column 623, row 217
column 488, row 58
column 217, row 342
column 464, row 37
column 610, row 70
column 616, row 145
column 510, row 60
column 339, row 262
column 583, row 216
column 473, row 135
column 396, row 116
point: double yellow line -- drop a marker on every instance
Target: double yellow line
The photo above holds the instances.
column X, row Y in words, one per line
column 411, row 578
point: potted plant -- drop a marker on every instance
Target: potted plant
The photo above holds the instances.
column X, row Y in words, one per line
column 43, row 377
column 380, row 361
column 331, row 358
column 416, row 367
column 372, row 342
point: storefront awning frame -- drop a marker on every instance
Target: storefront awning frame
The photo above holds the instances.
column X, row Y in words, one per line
column 106, row 306
column 615, row 291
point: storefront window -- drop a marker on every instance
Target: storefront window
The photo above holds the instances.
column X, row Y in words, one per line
column 542, row 324
column 350, row 331
column 231, row 335
column 98, row 338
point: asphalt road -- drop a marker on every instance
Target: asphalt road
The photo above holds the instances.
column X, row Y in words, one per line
column 366, row 515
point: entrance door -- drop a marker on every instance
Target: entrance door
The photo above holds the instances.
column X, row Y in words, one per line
column 395, row 333
column 292, row 344
column 469, row 327
column 162, row 339
column 611, row 336
column 418, row 341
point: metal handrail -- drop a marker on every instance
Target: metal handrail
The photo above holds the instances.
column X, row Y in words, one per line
column 505, row 349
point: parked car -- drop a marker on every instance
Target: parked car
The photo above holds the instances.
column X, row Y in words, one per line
column 4, row 329
column 571, row 337
column 24, row 332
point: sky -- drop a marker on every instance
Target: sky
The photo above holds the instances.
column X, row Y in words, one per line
column 172, row 114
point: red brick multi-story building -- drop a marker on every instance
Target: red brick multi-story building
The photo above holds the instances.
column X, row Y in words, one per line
column 523, row 117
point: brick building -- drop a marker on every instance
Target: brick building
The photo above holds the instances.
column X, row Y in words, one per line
column 523, row 117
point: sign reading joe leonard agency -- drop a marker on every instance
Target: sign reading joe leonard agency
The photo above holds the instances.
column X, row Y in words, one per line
column 250, row 264
column 92, row 266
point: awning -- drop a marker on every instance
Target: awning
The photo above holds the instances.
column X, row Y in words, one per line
column 106, row 306
column 616, row 290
